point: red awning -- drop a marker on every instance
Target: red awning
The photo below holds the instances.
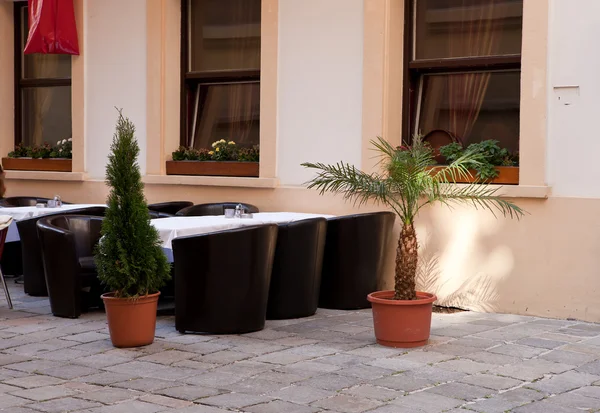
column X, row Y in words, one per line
column 52, row 28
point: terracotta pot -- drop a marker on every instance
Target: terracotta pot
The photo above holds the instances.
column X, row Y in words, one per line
column 131, row 322
column 438, row 138
column 401, row 323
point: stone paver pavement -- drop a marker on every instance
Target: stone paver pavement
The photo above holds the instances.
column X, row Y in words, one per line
column 488, row 363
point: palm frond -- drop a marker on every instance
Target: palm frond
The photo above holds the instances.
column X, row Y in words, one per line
column 480, row 196
column 342, row 178
column 408, row 183
column 383, row 147
column 459, row 169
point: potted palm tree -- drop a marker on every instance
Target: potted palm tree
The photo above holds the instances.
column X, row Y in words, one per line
column 407, row 183
column 129, row 257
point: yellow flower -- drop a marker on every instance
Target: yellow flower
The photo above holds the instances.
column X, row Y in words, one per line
column 231, row 143
column 211, row 153
column 214, row 144
column 222, row 141
column 217, row 149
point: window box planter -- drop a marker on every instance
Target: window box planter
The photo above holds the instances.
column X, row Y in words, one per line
column 213, row 168
column 507, row 175
column 37, row 164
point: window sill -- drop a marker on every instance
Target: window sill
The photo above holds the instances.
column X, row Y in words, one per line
column 226, row 181
column 45, row 176
column 520, row 191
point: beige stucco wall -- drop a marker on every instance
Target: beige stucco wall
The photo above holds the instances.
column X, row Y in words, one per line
column 7, row 125
column 544, row 265
column 115, row 59
column 572, row 98
column 320, row 99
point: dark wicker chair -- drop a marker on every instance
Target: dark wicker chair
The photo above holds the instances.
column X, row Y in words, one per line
column 170, row 208
column 214, row 209
column 68, row 243
column 222, row 280
column 296, row 276
column 33, row 267
column 355, row 255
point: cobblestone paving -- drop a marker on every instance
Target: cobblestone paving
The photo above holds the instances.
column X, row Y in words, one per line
column 488, row 363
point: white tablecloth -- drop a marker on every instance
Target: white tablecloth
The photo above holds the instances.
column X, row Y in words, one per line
column 21, row 213
column 13, row 233
column 6, row 221
column 171, row 228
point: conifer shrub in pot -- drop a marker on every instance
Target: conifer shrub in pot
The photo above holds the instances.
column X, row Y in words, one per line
column 406, row 184
column 129, row 256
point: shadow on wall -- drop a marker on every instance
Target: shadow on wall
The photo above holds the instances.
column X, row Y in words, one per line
column 544, row 265
column 460, row 259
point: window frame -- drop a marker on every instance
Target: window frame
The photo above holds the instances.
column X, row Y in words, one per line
column 21, row 83
column 415, row 69
column 190, row 79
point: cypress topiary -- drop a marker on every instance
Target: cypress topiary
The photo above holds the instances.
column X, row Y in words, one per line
column 129, row 257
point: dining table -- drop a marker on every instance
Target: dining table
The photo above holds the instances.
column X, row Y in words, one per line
column 21, row 213
column 174, row 227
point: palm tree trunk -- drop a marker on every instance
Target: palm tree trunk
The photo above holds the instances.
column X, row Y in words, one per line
column 407, row 256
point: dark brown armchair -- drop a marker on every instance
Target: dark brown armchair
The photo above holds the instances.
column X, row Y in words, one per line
column 170, row 208
column 214, row 209
column 33, row 267
column 68, row 243
column 12, row 259
column 296, row 276
column 222, row 280
column 355, row 255
column 156, row 214
column 23, row 201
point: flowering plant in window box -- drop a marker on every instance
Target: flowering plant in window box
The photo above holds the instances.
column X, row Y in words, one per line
column 224, row 158
column 492, row 164
column 44, row 157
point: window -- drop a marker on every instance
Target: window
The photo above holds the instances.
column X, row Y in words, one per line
column 221, row 72
column 42, row 90
column 464, row 69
